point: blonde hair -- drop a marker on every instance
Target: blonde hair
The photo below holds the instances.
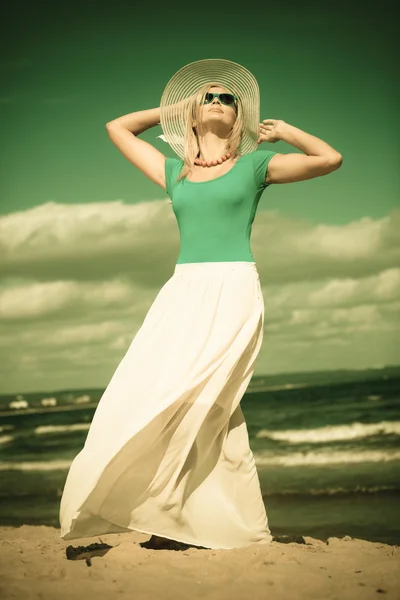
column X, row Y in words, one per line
column 191, row 142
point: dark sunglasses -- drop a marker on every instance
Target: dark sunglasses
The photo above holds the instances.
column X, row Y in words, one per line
column 225, row 98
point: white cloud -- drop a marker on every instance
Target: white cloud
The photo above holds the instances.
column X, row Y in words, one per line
column 383, row 287
column 84, row 276
column 352, row 241
column 82, row 334
column 100, row 241
column 88, row 241
column 35, row 300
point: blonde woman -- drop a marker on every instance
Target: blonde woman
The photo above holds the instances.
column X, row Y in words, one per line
column 167, row 453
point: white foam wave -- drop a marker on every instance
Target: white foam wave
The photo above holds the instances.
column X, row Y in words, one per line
column 41, row 429
column 261, row 458
column 45, row 429
column 6, row 428
column 4, row 439
column 301, row 459
column 332, row 433
column 51, row 465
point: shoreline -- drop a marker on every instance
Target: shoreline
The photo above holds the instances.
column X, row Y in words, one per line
column 367, row 516
column 33, row 563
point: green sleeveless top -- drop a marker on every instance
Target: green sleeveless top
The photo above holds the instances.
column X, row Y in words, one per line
column 215, row 217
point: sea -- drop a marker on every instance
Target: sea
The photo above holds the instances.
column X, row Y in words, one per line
column 326, row 446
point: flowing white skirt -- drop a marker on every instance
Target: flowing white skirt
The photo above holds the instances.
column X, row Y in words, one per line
column 167, row 452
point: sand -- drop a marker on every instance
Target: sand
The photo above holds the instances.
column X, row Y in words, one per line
column 33, row 564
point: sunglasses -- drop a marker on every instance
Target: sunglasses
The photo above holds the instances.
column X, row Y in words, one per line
column 225, row 98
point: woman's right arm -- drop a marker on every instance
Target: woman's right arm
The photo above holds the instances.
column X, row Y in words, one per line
column 123, row 133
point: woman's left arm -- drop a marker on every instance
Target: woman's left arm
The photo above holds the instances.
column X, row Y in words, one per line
column 318, row 159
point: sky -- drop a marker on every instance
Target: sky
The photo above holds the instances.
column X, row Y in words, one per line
column 87, row 241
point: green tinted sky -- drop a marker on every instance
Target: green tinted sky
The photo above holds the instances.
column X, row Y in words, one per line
column 326, row 248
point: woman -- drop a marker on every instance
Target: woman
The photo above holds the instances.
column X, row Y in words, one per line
column 168, row 452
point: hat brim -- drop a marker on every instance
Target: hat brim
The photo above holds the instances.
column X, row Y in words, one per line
column 187, row 82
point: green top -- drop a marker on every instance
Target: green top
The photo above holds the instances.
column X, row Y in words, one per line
column 215, row 217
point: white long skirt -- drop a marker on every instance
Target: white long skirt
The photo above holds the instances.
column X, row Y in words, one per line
column 167, row 452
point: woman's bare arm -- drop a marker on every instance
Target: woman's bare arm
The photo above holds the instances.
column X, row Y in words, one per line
column 319, row 158
column 138, row 121
column 123, row 133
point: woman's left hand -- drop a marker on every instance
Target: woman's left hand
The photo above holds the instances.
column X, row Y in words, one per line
column 270, row 130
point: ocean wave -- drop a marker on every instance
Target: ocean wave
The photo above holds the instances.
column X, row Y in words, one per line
column 48, row 429
column 42, row 465
column 6, row 428
column 4, row 439
column 261, row 458
column 316, row 459
column 332, row 433
column 360, row 489
column 42, row 429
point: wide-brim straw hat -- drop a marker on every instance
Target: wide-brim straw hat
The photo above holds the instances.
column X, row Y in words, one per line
column 189, row 79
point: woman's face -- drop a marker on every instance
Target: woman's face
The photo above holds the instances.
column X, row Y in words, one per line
column 217, row 116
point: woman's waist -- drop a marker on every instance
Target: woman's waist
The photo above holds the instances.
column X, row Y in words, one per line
column 230, row 266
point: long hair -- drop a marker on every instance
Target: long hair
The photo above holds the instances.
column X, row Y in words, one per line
column 192, row 142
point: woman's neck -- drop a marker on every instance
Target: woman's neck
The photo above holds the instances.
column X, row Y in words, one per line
column 212, row 149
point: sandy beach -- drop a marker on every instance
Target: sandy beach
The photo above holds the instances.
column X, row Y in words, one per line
column 33, row 564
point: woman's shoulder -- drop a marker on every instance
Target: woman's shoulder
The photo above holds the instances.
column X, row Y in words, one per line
column 262, row 153
column 175, row 160
column 173, row 163
column 256, row 157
